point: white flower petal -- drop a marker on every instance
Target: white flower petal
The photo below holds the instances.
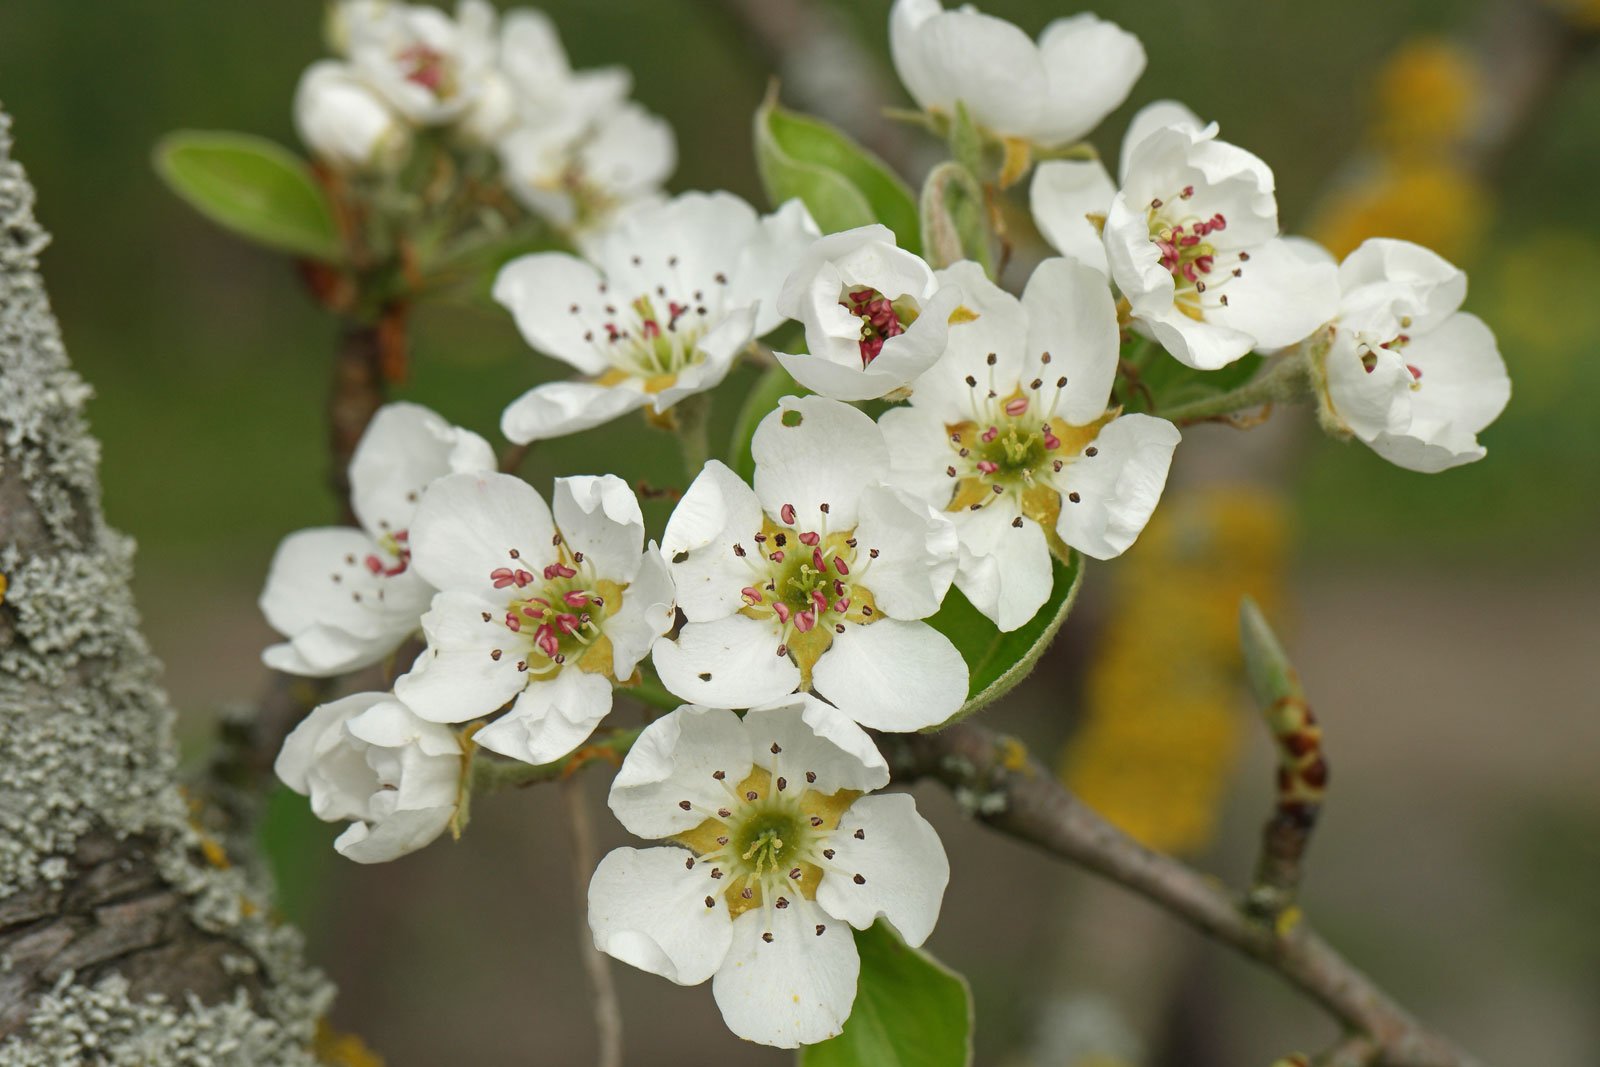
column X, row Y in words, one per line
column 1090, row 65
column 918, row 550
column 1434, row 287
column 1201, row 345
column 458, row 677
column 1000, row 329
column 1072, row 316
column 813, row 451
column 405, row 447
column 672, row 761
column 470, row 525
column 717, row 511
column 1280, row 297
column 550, row 719
column 1118, row 488
column 1154, row 116
column 901, row 861
column 599, row 516
column 797, row 988
column 815, row 738
column 647, row 908
column 918, row 455
column 314, row 737
column 731, row 662
column 1005, row 569
column 984, row 62
column 1368, row 402
column 1064, row 194
column 893, row 675
column 541, row 290
column 555, row 409
column 394, row 835
column 647, row 612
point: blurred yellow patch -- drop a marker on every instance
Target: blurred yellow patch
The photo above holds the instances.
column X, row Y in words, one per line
column 1425, row 97
column 1163, row 716
column 3, row 585
column 1431, row 203
column 1539, row 304
column 343, row 1050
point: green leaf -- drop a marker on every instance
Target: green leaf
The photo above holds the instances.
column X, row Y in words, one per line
column 773, row 385
column 257, row 189
column 955, row 222
column 840, row 182
column 998, row 661
column 1166, row 383
column 910, row 1011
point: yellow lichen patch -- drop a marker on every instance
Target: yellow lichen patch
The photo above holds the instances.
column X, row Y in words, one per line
column 1162, row 711
column 1426, row 97
column 1287, row 920
column 1013, row 754
column 335, row 1049
column 4, row 584
column 1430, row 203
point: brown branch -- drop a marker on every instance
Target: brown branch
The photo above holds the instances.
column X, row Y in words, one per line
column 1007, row 790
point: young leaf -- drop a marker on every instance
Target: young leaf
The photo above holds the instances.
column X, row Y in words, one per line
column 1165, row 383
column 842, row 183
column 998, row 661
column 253, row 187
column 954, row 221
column 910, row 1011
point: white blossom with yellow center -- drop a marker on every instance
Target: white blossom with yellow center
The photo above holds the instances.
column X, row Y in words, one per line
column 1011, row 436
column 776, row 851
column 537, row 610
column 345, row 597
column 817, row 579
column 658, row 311
column 1403, row 369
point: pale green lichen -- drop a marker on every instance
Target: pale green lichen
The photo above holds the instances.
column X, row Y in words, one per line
column 86, row 731
column 104, row 1025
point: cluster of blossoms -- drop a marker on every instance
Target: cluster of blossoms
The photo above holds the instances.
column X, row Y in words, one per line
column 571, row 146
column 790, row 613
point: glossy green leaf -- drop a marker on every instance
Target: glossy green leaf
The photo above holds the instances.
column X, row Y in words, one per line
column 258, row 189
column 910, row 1011
column 840, row 182
column 997, row 661
column 1165, row 383
column 955, row 223
column 773, row 385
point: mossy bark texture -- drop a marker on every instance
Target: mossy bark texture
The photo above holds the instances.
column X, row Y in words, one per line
column 126, row 936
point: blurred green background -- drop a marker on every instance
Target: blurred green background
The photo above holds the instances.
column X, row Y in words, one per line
column 1446, row 625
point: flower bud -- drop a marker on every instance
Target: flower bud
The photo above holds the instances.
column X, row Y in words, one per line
column 345, row 123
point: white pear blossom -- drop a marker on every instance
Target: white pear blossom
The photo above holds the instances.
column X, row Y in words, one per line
column 775, row 849
column 344, row 597
column 1402, row 368
column 580, row 152
column 1191, row 240
column 659, row 311
column 581, row 172
column 1011, row 435
column 543, row 82
column 1049, row 93
column 874, row 316
column 817, row 579
column 345, row 123
column 430, row 67
column 367, row 758
column 543, row 611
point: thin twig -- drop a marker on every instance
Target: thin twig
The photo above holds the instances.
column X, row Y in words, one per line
column 596, row 964
column 1014, row 794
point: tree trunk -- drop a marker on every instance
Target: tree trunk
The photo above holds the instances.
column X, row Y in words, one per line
column 126, row 935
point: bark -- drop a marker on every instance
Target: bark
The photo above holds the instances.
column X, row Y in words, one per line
column 126, row 935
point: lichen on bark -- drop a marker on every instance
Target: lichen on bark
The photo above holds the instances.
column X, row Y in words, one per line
column 125, row 935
